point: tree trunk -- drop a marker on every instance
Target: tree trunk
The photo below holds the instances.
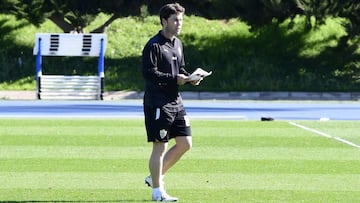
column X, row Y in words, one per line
column 103, row 27
column 61, row 23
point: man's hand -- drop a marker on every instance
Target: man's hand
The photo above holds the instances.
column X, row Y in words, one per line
column 182, row 79
column 196, row 82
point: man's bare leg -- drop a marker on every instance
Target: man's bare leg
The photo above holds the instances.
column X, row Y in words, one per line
column 156, row 163
column 182, row 145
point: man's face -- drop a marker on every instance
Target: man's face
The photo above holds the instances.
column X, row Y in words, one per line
column 173, row 24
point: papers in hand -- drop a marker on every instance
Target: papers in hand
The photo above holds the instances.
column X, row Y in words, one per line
column 199, row 74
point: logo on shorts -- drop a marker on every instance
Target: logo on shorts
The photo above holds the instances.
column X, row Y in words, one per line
column 187, row 121
column 163, row 133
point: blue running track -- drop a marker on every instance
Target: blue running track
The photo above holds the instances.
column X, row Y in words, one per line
column 251, row 110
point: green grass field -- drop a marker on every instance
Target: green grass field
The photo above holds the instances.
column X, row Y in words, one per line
column 105, row 160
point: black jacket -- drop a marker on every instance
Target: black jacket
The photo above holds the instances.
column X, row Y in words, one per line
column 162, row 60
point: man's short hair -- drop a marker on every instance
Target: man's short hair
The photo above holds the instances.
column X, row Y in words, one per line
column 170, row 9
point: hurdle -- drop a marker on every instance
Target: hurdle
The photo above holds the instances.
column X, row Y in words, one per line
column 70, row 87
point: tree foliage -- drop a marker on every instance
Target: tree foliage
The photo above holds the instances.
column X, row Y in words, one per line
column 75, row 15
column 69, row 15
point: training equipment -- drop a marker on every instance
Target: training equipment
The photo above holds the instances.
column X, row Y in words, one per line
column 73, row 86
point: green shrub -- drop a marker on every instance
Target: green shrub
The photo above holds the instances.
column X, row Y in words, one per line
column 276, row 57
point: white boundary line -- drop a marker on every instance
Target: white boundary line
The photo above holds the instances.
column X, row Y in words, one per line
column 325, row 135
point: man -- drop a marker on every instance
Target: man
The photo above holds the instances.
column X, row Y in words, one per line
column 165, row 117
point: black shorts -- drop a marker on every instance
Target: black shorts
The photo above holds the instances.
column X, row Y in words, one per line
column 165, row 123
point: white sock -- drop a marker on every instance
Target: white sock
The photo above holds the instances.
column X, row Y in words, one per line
column 157, row 191
column 162, row 186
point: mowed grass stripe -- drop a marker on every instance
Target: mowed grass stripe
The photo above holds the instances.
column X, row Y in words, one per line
column 140, row 140
column 73, row 140
column 73, row 180
column 82, row 123
column 192, row 165
column 69, row 131
column 74, row 152
column 72, row 127
column 186, row 195
column 74, row 195
column 214, row 153
column 265, row 141
column 69, row 165
column 269, row 166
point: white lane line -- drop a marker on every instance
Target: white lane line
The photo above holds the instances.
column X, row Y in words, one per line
column 347, row 142
column 311, row 130
column 325, row 135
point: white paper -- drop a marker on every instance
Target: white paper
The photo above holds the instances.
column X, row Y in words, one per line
column 199, row 74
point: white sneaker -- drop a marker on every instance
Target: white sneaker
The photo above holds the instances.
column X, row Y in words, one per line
column 164, row 197
column 148, row 181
